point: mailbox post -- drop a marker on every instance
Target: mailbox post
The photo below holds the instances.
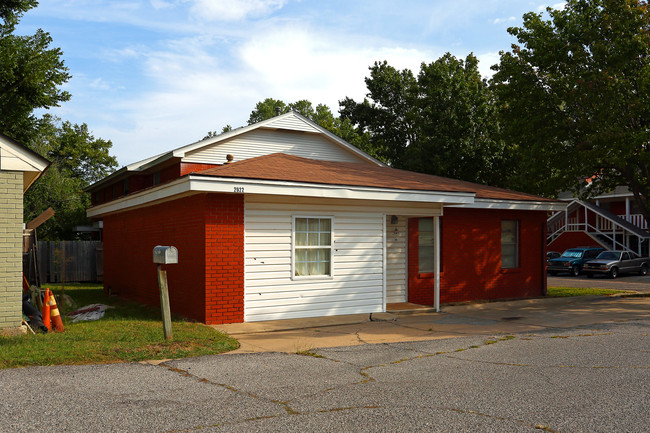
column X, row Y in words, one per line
column 165, row 256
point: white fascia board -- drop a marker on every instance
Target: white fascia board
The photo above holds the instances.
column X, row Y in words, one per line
column 197, row 184
column 267, row 187
column 481, row 203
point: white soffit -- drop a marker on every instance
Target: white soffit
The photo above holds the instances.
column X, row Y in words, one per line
column 482, row 203
column 16, row 157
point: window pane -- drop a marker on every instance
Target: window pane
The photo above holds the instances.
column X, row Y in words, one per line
column 425, row 225
column 509, row 244
column 313, row 239
column 325, row 225
column 325, row 239
column 312, row 268
column 325, row 268
column 324, row 255
column 313, row 224
column 426, row 246
column 301, row 224
column 301, row 255
column 301, row 269
column 426, row 259
column 312, row 255
column 301, row 239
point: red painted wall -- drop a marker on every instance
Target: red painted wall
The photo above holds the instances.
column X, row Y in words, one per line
column 208, row 229
column 617, row 207
column 471, row 251
column 571, row 240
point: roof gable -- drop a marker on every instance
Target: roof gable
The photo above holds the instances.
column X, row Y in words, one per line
column 237, row 142
column 16, row 157
column 290, row 121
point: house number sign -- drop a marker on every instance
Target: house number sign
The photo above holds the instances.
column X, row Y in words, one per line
column 239, row 189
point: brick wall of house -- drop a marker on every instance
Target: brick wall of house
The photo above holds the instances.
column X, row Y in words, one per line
column 471, row 256
column 11, row 236
column 207, row 283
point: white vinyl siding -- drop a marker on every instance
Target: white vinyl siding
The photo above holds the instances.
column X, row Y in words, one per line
column 261, row 142
column 356, row 284
column 396, row 244
column 291, row 122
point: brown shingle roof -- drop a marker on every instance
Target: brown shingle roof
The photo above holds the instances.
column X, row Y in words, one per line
column 282, row 167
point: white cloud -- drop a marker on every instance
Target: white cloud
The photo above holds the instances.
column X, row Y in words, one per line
column 161, row 4
column 503, row 20
column 233, row 10
column 542, row 7
column 486, row 60
column 197, row 90
column 99, row 84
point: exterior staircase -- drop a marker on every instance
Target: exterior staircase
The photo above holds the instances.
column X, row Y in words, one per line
column 586, row 223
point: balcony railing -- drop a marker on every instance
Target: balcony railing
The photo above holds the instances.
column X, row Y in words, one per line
column 636, row 219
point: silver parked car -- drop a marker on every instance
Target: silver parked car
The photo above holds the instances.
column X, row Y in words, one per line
column 613, row 263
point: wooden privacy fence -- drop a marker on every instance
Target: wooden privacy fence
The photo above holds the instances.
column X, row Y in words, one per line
column 70, row 261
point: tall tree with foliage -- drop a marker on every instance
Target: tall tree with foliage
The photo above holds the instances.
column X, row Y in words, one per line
column 31, row 73
column 574, row 95
column 78, row 159
column 441, row 122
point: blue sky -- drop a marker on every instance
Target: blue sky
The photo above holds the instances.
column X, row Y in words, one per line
column 153, row 75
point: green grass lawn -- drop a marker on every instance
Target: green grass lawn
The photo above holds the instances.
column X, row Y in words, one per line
column 558, row 292
column 128, row 332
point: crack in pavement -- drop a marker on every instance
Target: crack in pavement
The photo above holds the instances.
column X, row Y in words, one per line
column 370, row 407
column 283, row 404
column 367, row 378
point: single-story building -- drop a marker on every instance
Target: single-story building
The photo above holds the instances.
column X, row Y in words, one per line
column 19, row 169
column 283, row 219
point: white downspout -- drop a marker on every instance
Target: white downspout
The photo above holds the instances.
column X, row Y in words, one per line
column 436, row 263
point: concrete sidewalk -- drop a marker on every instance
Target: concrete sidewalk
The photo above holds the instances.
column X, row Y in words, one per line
column 495, row 318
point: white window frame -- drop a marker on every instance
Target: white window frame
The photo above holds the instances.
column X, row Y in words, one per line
column 516, row 244
column 293, row 248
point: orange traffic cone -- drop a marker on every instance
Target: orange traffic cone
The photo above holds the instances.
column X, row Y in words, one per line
column 46, row 310
column 57, row 323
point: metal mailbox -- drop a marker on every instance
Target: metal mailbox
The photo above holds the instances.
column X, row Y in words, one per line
column 165, row 255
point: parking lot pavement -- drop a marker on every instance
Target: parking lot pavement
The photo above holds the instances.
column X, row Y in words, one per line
column 590, row 378
column 623, row 282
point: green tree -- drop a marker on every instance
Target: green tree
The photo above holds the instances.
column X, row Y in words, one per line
column 574, row 98
column 441, row 122
column 30, row 73
column 266, row 109
column 78, row 159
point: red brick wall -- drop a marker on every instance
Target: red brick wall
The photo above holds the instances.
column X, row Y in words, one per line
column 224, row 267
column 471, row 250
column 208, row 230
column 188, row 167
column 571, row 240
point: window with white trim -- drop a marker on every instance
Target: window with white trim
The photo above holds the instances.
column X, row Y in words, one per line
column 509, row 244
column 312, row 246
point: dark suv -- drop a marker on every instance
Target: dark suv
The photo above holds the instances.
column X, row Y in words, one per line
column 572, row 260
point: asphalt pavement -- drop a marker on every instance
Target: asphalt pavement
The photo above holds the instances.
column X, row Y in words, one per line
column 623, row 282
column 586, row 370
